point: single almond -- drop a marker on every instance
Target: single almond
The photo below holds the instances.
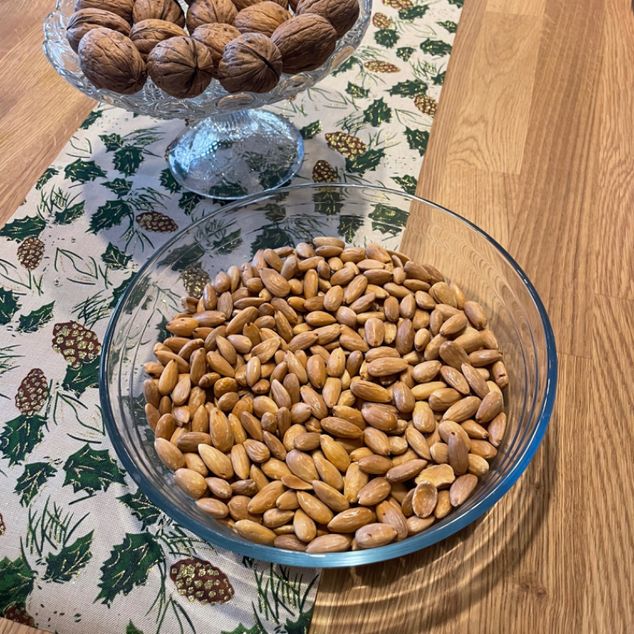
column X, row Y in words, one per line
column 483, row 448
column 254, row 532
column 168, row 379
column 374, row 535
column 304, row 526
column 217, row 462
column 301, row 465
column 331, row 543
column 439, row 475
column 169, row 454
column 377, row 441
column 403, row 397
column 238, row 508
column 462, row 488
column 422, row 391
column 417, row 524
column 443, row 505
column 265, row 498
column 380, row 416
column 219, row 488
column 330, row 496
column 446, row 427
column 191, row 482
column 251, row 425
column 350, row 520
column 296, row 483
column 314, row 508
column 340, row 428
column 266, row 349
column 457, row 453
column 482, row 358
column 374, row 464
column 246, row 487
column 314, row 400
column 423, row 417
column 287, row 501
column 257, row 451
column 316, row 371
column 405, row 471
column 188, row 441
column 441, row 399
column 386, row 366
column 417, row 442
column 375, row 491
column 390, row 513
column 274, row 282
column 275, row 469
column 219, row 364
column 491, row 405
column 220, row 430
column 335, row 452
column 289, row 542
column 303, row 340
column 307, row 441
column 212, row 507
column 462, row 409
column 496, row 429
column 274, row 518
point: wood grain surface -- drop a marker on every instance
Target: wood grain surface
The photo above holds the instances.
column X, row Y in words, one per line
column 534, row 141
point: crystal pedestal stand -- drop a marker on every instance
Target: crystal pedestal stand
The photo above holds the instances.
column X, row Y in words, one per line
column 231, row 155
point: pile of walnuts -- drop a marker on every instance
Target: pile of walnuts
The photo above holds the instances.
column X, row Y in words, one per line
column 245, row 44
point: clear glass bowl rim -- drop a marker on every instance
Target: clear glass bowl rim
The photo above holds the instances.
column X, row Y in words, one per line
column 349, row 558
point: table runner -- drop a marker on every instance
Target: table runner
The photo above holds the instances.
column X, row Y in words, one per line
column 81, row 548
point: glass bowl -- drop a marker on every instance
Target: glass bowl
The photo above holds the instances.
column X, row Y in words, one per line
column 230, row 149
column 358, row 214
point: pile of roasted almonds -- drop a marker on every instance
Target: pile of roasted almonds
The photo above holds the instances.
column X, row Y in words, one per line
column 325, row 398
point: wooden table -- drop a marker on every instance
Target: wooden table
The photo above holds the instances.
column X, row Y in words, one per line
column 534, row 141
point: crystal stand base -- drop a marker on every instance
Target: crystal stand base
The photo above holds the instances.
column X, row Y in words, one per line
column 234, row 155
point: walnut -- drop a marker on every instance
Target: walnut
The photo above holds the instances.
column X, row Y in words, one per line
column 305, row 42
column 85, row 20
column 342, row 14
column 110, row 60
column 243, row 4
column 250, row 62
column 181, row 66
column 210, row 11
column 215, row 37
column 263, row 17
column 168, row 10
column 120, row 7
column 146, row 34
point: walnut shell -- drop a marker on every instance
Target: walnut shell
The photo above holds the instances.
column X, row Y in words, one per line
column 168, row 10
column 250, row 62
column 305, row 41
column 342, row 14
column 181, row 66
column 85, row 20
column 146, row 34
column 263, row 17
column 210, row 11
column 110, row 60
column 215, row 37
column 243, row 4
column 122, row 8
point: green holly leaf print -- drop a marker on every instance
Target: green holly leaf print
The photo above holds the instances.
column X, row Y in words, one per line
column 69, row 214
column 114, row 257
column 377, row 112
column 36, row 319
column 270, row 237
column 435, row 47
column 227, row 189
column 49, row 172
column 405, row 52
column 457, row 3
column 311, row 130
column 328, row 202
column 388, row 219
column 184, row 256
column 64, row 565
column 408, row 183
column 32, row 480
column 119, row 290
column 22, row 228
column 128, row 159
column 367, row 161
column 91, row 470
column 409, row 88
column 386, row 37
column 348, row 227
column 111, row 141
column 141, row 508
column 347, row 65
column 16, row 582
column 229, row 242
column 128, row 566
column 20, row 435
column 81, row 171
column 188, row 202
column 417, row 140
column 78, row 380
column 119, row 186
column 111, row 213
column 411, row 13
column 168, row 181
column 8, row 305
column 449, row 25
column 91, row 118
column 132, row 629
column 439, row 79
column 356, row 91
column 240, row 629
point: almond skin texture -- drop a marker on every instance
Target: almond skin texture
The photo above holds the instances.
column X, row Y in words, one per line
column 110, row 60
column 305, row 42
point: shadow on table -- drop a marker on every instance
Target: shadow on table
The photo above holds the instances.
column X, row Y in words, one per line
column 433, row 586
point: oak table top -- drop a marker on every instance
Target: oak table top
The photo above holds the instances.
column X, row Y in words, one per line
column 533, row 141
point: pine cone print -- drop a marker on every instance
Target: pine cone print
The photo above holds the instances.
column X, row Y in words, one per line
column 194, row 278
column 377, row 66
column 382, row 21
column 324, row 172
column 426, row 104
column 198, row 580
column 399, row 4
column 32, row 393
column 156, row 221
column 19, row 614
column 346, row 144
column 30, row 253
column 77, row 344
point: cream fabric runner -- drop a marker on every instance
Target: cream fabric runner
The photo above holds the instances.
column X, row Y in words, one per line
column 81, row 549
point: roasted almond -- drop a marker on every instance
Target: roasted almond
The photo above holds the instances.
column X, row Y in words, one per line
column 254, row 532
column 350, row 520
column 301, row 465
column 217, row 462
column 375, row 491
column 374, row 535
column 191, row 482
